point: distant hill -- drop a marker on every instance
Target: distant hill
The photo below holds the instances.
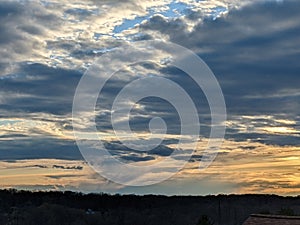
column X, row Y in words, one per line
column 70, row 208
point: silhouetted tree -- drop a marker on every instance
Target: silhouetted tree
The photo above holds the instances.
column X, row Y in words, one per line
column 286, row 212
column 204, row 220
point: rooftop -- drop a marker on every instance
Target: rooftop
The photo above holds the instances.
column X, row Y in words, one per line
column 258, row 219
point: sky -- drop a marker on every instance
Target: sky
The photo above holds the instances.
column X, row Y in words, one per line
column 252, row 48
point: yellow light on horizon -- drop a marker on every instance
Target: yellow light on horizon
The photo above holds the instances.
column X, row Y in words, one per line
column 280, row 130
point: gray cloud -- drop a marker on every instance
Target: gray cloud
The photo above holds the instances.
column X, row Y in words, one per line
column 254, row 53
column 118, row 149
column 39, row 148
column 38, row 88
column 21, row 27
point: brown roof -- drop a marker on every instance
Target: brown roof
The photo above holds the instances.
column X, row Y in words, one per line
column 257, row 219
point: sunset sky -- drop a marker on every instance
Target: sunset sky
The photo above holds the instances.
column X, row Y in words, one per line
column 252, row 47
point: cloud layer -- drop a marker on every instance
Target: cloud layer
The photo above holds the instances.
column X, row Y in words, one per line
column 251, row 46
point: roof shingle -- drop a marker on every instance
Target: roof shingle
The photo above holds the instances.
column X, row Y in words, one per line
column 257, row 219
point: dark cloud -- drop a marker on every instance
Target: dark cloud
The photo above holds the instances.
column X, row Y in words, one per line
column 265, row 138
column 58, row 177
column 254, row 53
column 39, row 88
column 67, row 167
column 162, row 25
column 125, row 154
column 82, row 13
column 20, row 27
column 137, row 158
column 11, row 136
column 161, row 151
column 39, row 166
column 248, row 147
column 151, row 107
column 39, row 148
